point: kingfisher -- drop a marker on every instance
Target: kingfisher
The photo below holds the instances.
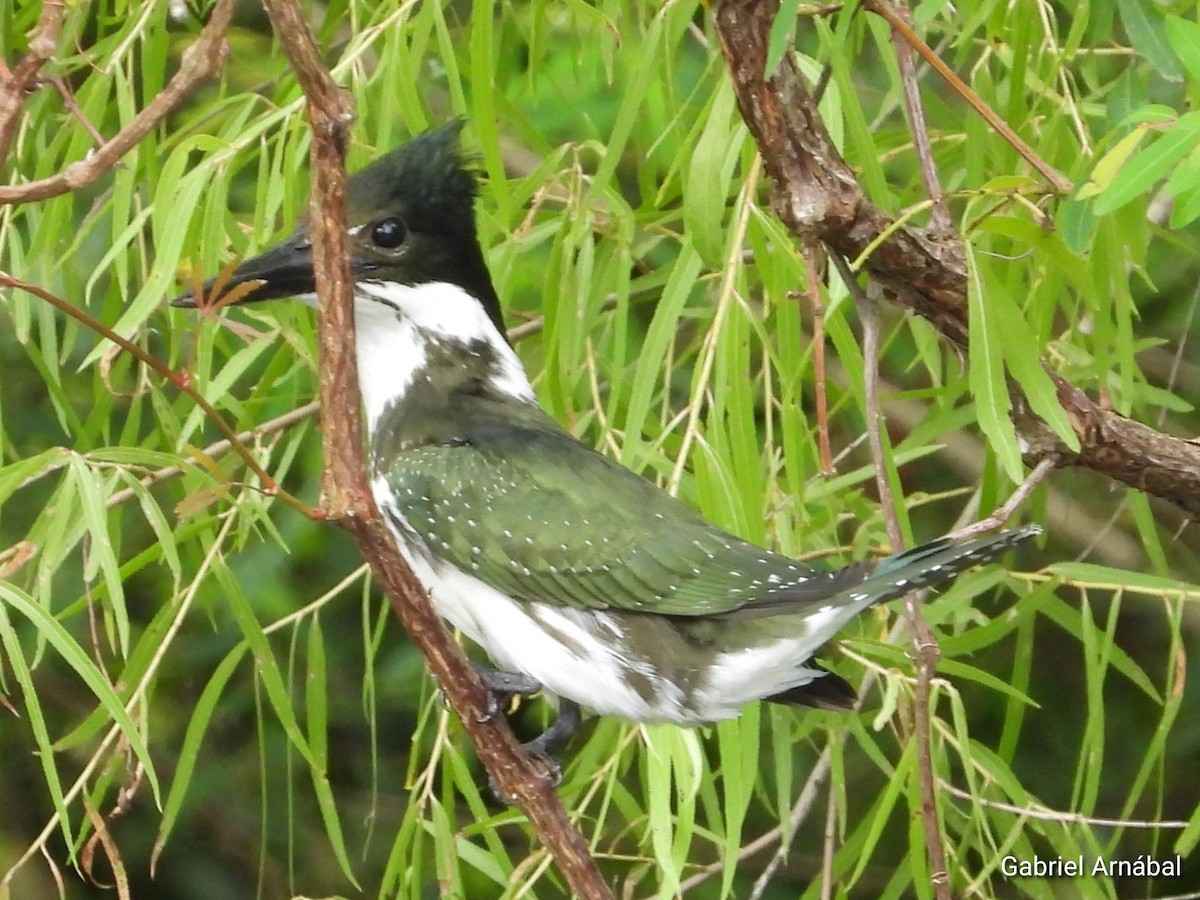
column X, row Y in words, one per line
column 577, row 577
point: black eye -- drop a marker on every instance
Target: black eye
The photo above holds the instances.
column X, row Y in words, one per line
column 389, row 233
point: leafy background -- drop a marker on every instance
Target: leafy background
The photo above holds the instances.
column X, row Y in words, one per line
column 213, row 673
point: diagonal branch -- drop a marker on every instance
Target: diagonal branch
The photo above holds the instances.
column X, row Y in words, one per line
column 15, row 85
column 348, row 497
column 182, row 381
column 200, row 61
column 816, row 194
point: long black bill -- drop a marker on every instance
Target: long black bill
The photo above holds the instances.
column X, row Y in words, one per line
column 286, row 270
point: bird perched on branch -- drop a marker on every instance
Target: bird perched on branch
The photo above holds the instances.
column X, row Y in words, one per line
column 575, row 575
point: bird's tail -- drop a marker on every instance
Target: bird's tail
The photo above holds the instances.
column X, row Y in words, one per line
column 921, row 567
column 936, row 563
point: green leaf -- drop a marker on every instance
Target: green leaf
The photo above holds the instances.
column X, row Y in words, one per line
column 1184, row 37
column 189, row 750
column 1146, row 30
column 957, row 669
column 986, row 375
column 1111, row 163
column 782, row 28
column 1020, row 352
column 316, row 706
column 77, row 658
column 1151, row 165
column 710, row 172
column 100, row 557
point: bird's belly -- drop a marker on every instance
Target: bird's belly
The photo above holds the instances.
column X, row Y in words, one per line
column 637, row 667
column 571, row 653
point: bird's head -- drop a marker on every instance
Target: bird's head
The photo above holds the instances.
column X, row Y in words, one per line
column 410, row 220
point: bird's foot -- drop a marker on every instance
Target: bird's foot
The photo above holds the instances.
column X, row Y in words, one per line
column 502, row 685
column 543, row 748
column 554, row 738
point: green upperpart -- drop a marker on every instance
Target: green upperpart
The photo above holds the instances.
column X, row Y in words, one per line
column 520, row 504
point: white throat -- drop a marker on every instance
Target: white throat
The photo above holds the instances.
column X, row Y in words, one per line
column 394, row 324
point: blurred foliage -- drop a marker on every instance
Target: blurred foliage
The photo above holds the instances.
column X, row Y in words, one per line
column 215, row 675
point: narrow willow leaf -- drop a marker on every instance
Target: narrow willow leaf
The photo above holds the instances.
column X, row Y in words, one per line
column 1151, row 165
column 1187, row 206
column 956, row 669
column 189, row 750
column 658, row 338
column 19, row 473
column 78, row 659
column 1109, row 166
column 782, row 29
column 1020, row 352
column 1190, row 837
column 987, row 374
column 266, row 665
column 710, row 173
column 101, row 556
column 738, row 745
column 884, row 804
column 1069, row 619
column 1146, row 30
column 1184, row 36
column 15, row 659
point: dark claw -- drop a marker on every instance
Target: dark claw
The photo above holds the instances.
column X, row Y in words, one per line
column 554, row 738
column 500, row 686
column 506, row 682
column 543, row 747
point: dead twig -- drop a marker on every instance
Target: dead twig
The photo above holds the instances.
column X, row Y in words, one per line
column 925, row 652
column 1004, row 512
column 939, row 214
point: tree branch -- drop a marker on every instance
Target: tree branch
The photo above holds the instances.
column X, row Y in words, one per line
column 347, row 496
column 17, row 84
column 200, row 61
column 816, row 194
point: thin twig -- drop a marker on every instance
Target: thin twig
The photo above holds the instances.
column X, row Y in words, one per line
column 886, row 11
column 818, row 345
column 800, row 810
column 925, row 650
column 68, row 98
column 829, row 845
column 181, row 381
column 200, row 61
column 348, row 497
column 219, row 448
column 940, row 213
column 1046, row 814
column 15, row 84
column 1005, row 511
